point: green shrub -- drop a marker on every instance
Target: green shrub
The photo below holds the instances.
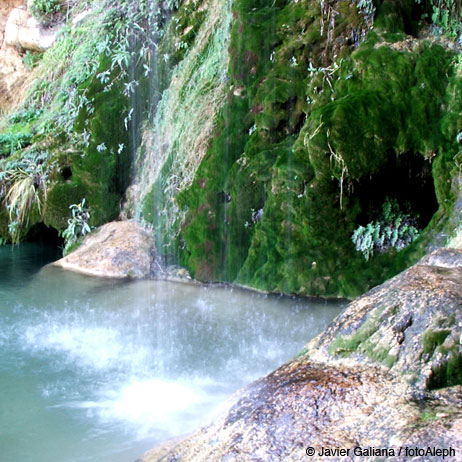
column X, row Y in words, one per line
column 445, row 16
column 44, row 9
column 30, row 59
column 77, row 225
column 23, row 188
column 25, row 115
column 394, row 230
column 11, row 142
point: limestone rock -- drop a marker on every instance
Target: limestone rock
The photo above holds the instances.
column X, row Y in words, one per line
column 80, row 18
column 444, row 258
column 12, row 70
column 12, row 75
column 372, row 380
column 24, row 31
column 122, row 249
column 6, row 6
column 412, row 323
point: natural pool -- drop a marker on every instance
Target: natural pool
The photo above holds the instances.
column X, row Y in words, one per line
column 99, row 370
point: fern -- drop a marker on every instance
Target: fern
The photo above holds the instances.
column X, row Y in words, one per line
column 393, row 231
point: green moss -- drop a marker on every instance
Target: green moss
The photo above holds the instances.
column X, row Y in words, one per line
column 428, row 416
column 13, row 141
column 98, row 173
column 204, row 228
column 432, row 339
column 360, row 342
column 344, row 345
column 59, row 198
column 243, row 207
column 391, row 115
column 77, row 121
column 449, row 373
column 349, row 123
column 4, row 220
column 102, row 169
column 182, row 31
column 380, row 354
column 399, row 16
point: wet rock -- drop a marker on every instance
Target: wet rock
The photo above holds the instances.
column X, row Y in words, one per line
column 172, row 273
column 373, row 380
column 444, row 258
column 122, row 249
column 308, row 404
column 411, row 324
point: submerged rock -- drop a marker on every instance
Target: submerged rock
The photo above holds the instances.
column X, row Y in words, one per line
column 372, row 381
column 120, row 249
column 172, row 273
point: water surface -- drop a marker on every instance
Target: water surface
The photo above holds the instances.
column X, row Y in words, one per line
column 99, row 370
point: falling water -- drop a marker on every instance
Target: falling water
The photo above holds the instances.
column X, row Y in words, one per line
column 98, row 370
column 182, row 118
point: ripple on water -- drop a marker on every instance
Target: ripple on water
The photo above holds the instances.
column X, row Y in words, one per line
column 94, row 347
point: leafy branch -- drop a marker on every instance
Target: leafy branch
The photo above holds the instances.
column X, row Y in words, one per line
column 77, row 225
column 394, row 230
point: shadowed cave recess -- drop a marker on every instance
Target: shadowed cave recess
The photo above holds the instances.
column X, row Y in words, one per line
column 408, row 180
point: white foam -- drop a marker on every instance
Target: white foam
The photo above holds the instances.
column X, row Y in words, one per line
column 203, row 306
column 148, row 407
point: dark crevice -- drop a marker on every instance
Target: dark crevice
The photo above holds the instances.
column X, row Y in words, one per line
column 398, row 15
column 407, row 178
column 66, row 172
column 45, row 235
column 448, row 373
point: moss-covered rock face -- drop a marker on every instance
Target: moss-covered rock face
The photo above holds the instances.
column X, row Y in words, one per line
column 96, row 171
column 251, row 163
column 324, row 123
column 176, row 139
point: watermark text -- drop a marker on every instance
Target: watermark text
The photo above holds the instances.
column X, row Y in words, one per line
column 371, row 451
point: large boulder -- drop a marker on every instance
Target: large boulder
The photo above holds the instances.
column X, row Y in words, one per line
column 384, row 378
column 120, row 249
column 411, row 324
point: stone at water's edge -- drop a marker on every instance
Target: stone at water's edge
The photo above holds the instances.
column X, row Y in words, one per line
column 118, row 249
column 411, row 324
column 372, row 380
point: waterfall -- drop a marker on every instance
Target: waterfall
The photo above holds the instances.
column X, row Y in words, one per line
column 176, row 137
